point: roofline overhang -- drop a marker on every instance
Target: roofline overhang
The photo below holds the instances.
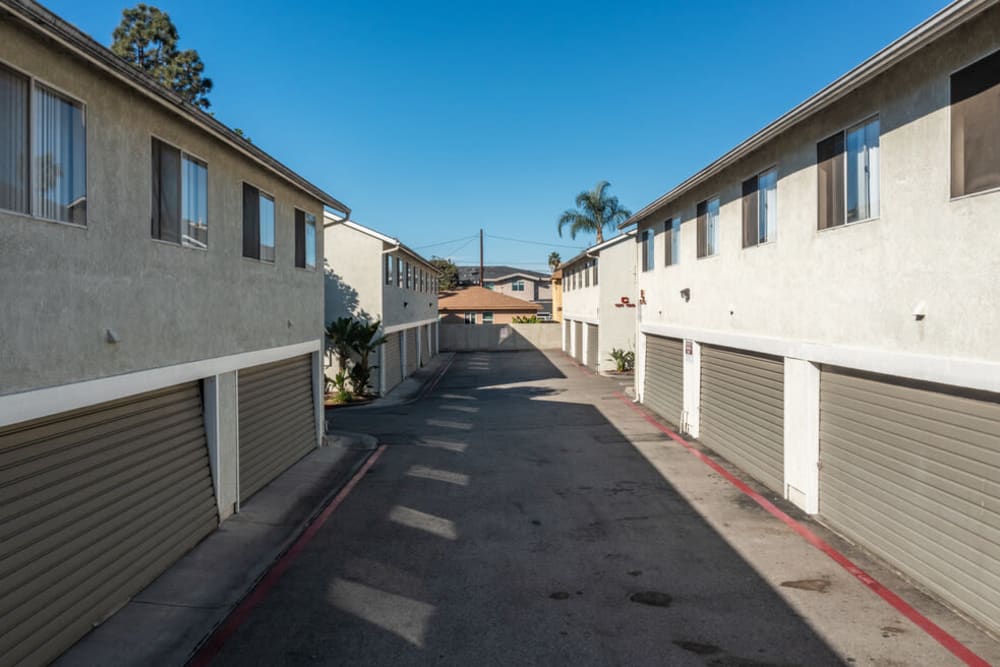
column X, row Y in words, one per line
column 935, row 27
column 72, row 38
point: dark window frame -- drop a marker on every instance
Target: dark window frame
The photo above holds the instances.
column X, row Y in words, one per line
column 251, row 225
column 977, row 85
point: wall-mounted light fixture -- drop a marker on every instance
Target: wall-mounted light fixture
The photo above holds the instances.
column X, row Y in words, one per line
column 112, row 337
column 405, row 304
column 920, row 311
column 686, row 294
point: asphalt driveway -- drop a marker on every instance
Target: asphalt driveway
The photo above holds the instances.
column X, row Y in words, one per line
column 524, row 514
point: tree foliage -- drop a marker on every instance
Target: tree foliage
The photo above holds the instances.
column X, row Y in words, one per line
column 595, row 210
column 147, row 38
column 554, row 260
column 449, row 273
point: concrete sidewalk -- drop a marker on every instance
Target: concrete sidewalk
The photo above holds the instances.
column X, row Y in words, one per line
column 166, row 622
column 407, row 391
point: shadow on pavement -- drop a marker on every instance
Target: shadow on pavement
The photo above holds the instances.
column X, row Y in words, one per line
column 514, row 524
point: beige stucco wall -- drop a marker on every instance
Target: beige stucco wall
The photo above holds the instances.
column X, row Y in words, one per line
column 354, row 274
column 534, row 290
column 64, row 286
column 854, row 285
column 402, row 306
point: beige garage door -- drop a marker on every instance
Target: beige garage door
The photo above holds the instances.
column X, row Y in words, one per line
column 277, row 420
column 578, row 341
column 912, row 471
column 567, row 336
column 663, row 384
column 393, row 361
column 412, row 351
column 742, row 411
column 96, row 503
column 592, row 359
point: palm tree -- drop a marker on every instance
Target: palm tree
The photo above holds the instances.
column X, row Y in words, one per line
column 595, row 210
column 340, row 333
column 365, row 340
column 554, row 260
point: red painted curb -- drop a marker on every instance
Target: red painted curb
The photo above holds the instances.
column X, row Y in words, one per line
column 207, row 652
column 959, row 650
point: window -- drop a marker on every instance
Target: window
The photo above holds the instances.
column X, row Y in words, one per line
column 975, row 127
column 595, row 271
column 760, row 208
column 43, row 151
column 648, row 236
column 487, row 318
column 586, row 274
column 708, row 227
column 399, row 273
column 672, row 239
column 258, row 224
column 409, row 276
column 848, row 175
column 388, row 269
column 305, row 240
column 180, row 197
column 470, row 318
column 517, row 286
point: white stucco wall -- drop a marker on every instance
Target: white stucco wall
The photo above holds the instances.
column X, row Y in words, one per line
column 353, row 274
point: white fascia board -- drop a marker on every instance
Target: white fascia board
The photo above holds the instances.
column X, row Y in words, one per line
column 27, row 405
column 970, row 373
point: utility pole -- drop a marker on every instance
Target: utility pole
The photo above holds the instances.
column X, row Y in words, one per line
column 481, row 276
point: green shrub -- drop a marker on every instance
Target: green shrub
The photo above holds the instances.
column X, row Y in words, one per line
column 624, row 360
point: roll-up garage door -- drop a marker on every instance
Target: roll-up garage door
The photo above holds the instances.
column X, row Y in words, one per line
column 912, row 471
column 96, row 504
column 412, row 351
column 592, row 359
column 578, row 341
column 277, row 420
column 393, row 361
column 742, row 411
column 663, row 386
column 567, row 337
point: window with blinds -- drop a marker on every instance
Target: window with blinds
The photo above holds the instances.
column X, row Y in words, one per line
column 305, row 240
column 708, row 227
column 975, row 127
column 179, row 212
column 258, row 224
column 43, row 151
column 848, row 175
column 760, row 208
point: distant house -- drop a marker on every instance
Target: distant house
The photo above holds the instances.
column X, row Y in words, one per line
column 371, row 276
column 519, row 283
column 478, row 305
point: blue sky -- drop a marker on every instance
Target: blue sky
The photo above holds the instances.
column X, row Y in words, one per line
column 433, row 120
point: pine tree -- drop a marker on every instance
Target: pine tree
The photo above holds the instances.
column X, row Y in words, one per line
column 147, row 38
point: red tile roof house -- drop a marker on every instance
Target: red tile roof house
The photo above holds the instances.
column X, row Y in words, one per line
column 478, row 305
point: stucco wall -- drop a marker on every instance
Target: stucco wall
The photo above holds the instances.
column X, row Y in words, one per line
column 854, row 285
column 617, row 321
column 401, row 305
column 64, row 286
column 354, row 274
column 534, row 290
column 500, row 337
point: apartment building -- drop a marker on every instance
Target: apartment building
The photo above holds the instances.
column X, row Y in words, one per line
column 371, row 276
column 818, row 305
column 160, row 349
column 599, row 302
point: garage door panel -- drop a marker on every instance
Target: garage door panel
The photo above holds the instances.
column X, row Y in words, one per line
column 276, row 420
column 78, row 512
column 101, row 500
column 742, row 411
column 768, row 389
column 913, row 471
column 968, row 441
column 592, row 346
column 900, row 454
column 663, row 386
column 89, row 556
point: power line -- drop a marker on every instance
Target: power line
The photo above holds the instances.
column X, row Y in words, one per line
column 432, row 245
column 541, row 243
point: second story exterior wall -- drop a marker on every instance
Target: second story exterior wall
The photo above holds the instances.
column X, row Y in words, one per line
column 64, row 286
column 352, row 276
column 858, row 284
column 534, row 289
column 416, row 303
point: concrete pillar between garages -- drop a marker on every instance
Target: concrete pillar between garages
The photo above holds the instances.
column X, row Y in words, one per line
column 562, row 331
column 420, row 345
column 691, row 419
column 318, row 386
column 381, row 369
column 639, row 373
column 802, row 434
column 402, row 354
column 585, row 341
column 222, row 430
